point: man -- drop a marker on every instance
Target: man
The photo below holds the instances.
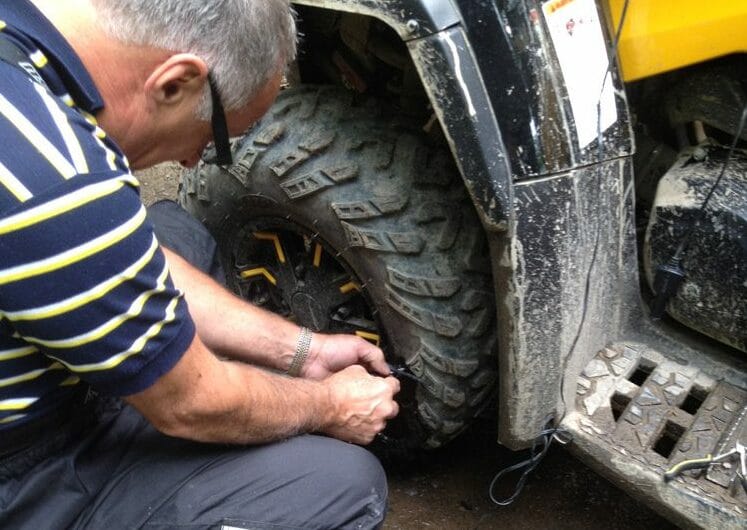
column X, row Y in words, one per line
column 87, row 298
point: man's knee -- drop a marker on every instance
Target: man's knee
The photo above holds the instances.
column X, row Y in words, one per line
column 179, row 231
column 304, row 482
column 350, row 483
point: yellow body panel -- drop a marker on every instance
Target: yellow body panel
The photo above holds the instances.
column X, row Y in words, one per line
column 664, row 35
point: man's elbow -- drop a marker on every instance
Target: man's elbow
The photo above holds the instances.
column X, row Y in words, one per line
column 175, row 425
column 177, row 417
column 186, row 402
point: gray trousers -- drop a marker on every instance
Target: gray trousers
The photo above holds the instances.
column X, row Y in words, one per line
column 114, row 471
column 109, row 469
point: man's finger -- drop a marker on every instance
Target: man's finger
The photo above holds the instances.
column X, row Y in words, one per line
column 393, row 383
column 380, row 366
column 374, row 359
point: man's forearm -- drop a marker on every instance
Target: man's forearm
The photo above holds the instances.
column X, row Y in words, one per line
column 209, row 400
column 230, row 326
column 205, row 399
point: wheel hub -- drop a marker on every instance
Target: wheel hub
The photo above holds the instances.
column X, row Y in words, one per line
column 288, row 270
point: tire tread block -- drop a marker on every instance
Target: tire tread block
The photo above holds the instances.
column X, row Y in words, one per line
column 445, row 361
column 436, row 287
column 370, row 209
column 380, row 241
column 309, row 184
column 445, row 325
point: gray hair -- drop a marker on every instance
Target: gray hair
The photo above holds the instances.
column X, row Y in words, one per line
column 243, row 42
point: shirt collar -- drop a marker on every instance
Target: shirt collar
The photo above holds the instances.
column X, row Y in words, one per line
column 24, row 16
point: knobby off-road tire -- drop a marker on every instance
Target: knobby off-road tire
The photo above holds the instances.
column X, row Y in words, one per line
column 393, row 211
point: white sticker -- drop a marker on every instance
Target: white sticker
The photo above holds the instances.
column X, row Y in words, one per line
column 577, row 35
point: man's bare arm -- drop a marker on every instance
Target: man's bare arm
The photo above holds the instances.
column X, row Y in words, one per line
column 234, row 328
column 228, row 325
column 205, row 399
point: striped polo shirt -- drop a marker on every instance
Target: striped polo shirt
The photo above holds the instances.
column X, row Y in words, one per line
column 85, row 292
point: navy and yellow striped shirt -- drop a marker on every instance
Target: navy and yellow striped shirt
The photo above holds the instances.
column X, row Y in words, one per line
column 85, row 293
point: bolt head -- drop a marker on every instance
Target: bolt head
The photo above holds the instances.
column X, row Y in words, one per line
column 700, row 154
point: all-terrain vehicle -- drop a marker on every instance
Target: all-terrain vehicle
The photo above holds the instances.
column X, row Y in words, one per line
column 506, row 195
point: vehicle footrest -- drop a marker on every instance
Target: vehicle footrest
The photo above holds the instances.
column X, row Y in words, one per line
column 644, row 413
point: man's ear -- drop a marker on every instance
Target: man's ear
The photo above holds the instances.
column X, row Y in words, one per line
column 180, row 78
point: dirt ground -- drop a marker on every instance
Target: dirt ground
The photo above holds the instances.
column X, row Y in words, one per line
column 448, row 489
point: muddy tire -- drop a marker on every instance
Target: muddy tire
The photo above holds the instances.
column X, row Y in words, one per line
column 348, row 222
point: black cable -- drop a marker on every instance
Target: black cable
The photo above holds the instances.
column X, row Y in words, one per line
column 683, row 246
column 550, row 433
column 595, row 252
column 404, row 372
column 671, row 274
column 539, row 449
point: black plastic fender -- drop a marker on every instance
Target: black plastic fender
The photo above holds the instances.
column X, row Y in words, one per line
column 433, row 30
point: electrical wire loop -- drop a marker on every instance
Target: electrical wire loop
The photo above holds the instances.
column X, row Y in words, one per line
column 539, row 449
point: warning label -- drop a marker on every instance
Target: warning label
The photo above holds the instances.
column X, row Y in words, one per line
column 576, row 33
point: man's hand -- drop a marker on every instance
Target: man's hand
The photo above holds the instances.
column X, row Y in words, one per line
column 330, row 354
column 361, row 404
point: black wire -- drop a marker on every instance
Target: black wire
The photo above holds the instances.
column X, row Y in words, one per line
column 548, row 434
column 595, row 252
column 543, row 442
column 685, row 243
column 403, row 371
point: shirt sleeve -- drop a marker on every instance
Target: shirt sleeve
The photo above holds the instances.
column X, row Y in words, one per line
column 83, row 279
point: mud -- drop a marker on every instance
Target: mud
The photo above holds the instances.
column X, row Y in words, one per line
column 448, row 489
